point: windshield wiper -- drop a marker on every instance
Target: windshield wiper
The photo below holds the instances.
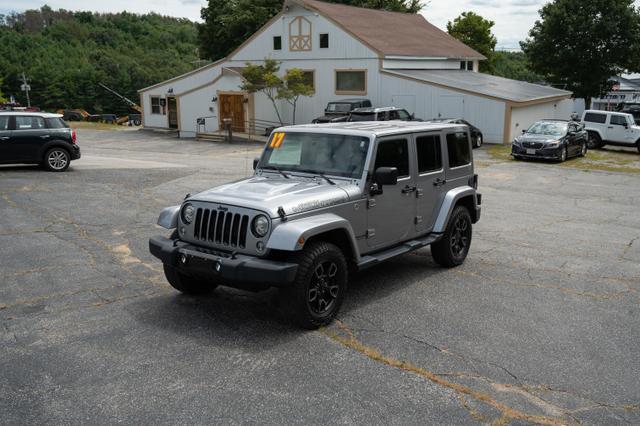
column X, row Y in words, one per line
column 277, row 170
column 322, row 175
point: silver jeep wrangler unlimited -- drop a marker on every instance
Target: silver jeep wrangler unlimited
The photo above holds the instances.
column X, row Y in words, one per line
column 326, row 200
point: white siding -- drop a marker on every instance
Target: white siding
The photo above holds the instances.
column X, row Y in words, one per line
column 432, row 102
column 523, row 117
column 341, row 44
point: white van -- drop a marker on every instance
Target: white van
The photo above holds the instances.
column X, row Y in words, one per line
column 611, row 128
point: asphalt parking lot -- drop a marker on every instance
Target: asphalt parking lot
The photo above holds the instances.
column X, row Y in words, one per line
column 540, row 325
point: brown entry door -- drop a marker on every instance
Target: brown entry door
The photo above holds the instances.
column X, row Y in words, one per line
column 232, row 106
column 172, row 112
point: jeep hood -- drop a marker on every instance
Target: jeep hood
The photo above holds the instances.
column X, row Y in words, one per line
column 269, row 193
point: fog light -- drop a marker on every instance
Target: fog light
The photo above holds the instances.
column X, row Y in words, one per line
column 260, row 246
column 183, row 259
column 218, row 266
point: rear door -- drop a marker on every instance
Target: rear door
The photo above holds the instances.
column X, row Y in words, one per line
column 429, row 180
column 618, row 129
column 29, row 136
column 7, row 153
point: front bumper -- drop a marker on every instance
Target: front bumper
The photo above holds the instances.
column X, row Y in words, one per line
column 231, row 270
column 554, row 153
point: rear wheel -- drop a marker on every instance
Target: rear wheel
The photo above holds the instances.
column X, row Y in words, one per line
column 452, row 249
column 316, row 295
column 594, row 141
column 57, row 160
column 638, row 145
column 478, row 141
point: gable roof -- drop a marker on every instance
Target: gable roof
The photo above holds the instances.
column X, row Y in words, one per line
column 393, row 33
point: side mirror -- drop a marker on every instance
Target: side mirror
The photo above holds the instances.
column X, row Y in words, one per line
column 386, row 176
column 255, row 162
column 413, row 116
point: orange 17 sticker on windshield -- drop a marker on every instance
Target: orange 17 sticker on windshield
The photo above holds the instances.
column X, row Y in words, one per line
column 276, row 141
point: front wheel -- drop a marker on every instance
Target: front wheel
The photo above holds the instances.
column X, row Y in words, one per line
column 57, row 159
column 638, row 146
column 315, row 296
column 186, row 284
column 563, row 155
column 583, row 149
column 452, row 249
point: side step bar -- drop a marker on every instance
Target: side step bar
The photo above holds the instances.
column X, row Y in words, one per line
column 370, row 260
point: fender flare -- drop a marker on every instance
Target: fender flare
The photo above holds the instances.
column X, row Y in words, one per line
column 596, row 131
column 52, row 144
column 449, row 202
column 286, row 235
column 169, row 217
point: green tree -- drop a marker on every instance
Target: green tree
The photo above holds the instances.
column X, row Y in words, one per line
column 294, row 85
column 514, row 65
column 2, row 98
column 475, row 31
column 264, row 79
column 227, row 23
column 581, row 44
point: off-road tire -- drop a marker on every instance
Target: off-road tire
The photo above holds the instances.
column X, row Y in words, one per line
column 56, row 159
column 445, row 251
column 186, row 284
column 303, row 299
column 638, row 146
column 594, row 141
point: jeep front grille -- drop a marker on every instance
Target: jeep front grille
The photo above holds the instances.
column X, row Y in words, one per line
column 221, row 227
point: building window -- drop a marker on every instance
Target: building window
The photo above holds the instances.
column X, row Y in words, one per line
column 463, row 65
column 351, row 82
column 277, row 43
column 324, row 41
column 469, row 65
column 309, row 78
column 155, row 105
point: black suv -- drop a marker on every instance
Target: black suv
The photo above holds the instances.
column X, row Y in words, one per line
column 37, row 138
column 476, row 134
column 338, row 111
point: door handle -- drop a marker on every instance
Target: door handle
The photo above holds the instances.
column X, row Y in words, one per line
column 609, row 127
column 408, row 189
column 44, row 137
column 439, row 182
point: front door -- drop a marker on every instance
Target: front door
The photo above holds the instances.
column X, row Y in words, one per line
column 390, row 214
column 429, row 181
column 29, row 136
column 232, row 107
column 172, row 112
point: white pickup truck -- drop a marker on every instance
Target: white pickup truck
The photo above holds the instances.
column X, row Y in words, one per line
column 611, row 128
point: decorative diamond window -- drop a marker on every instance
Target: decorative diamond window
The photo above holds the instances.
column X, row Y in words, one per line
column 300, row 34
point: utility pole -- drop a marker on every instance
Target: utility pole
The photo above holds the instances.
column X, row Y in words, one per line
column 25, row 88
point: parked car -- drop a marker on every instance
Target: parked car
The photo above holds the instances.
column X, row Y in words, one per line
column 339, row 110
column 611, row 128
column 325, row 202
column 37, row 138
column 551, row 140
column 476, row 134
column 381, row 114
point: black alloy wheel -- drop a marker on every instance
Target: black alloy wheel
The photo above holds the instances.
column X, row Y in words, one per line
column 324, row 288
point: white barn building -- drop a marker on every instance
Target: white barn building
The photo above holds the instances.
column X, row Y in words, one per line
column 393, row 59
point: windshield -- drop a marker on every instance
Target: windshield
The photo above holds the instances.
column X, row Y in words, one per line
column 359, row 116
column 337, row 155
column 338, row 107
column 548, row 128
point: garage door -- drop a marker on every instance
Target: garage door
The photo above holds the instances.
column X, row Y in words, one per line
column 451, row 106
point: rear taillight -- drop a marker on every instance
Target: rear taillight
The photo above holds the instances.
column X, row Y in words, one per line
column 73, row 136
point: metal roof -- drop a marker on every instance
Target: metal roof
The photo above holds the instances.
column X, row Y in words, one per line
column 370, row 128
column 485, row 84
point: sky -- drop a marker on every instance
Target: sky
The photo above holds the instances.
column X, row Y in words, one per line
column 513, row 18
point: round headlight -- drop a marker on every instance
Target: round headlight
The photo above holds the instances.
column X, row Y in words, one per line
column 188, row 212
column 260, row 226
